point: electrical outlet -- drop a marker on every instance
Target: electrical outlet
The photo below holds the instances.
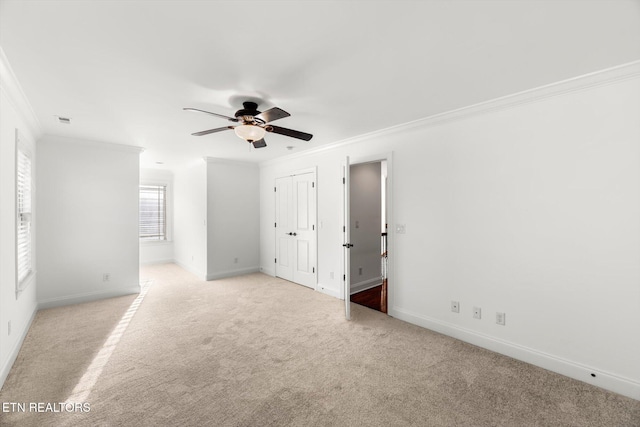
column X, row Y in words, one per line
column 9, row 328
column 359, row 271
column 106, row 277
column 500, row 318
column 455, row 306
column 477, row 313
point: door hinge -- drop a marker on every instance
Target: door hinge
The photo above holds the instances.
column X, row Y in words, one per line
column 275, row 224
column 275, row 260
column 314, row 269
column 274, row 189
column 344, row 229
column 313, row 227
column 344, row 278
column 344, row 181
column 313, row 185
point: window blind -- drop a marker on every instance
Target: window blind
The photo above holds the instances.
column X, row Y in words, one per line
column 153, row 212
column 23, row 202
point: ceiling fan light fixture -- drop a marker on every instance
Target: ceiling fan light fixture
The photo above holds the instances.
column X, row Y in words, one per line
column 250, row 132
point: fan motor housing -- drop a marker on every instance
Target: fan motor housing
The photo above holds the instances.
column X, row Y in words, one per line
column 250, row 109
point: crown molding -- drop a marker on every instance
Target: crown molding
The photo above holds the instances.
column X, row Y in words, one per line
column 10, row 85
column 587, row 81
column 85, row 143
column 218, row 160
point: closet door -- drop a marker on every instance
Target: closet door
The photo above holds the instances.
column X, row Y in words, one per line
column 296, row 251
column 284, row 228
column 304, row 213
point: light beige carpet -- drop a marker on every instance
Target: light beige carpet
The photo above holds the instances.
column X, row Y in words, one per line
column 259, row 351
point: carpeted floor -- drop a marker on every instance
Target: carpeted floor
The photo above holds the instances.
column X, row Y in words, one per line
column 259, row 351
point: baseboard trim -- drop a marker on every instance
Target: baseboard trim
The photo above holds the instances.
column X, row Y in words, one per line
column 328, row 291
column 159, row 261
column 13, row 354
column 232, row 273
column 603, row 379
column 190, row 269
column 268, row 271
column 365, row 284
column 86, row 297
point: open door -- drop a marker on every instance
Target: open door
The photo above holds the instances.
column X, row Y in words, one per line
column 346, row 272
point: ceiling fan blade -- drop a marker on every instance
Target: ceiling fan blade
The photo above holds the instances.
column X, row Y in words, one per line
column 272, row 114
column 259, row 143
column 232, row 119
column 289, row 132
column 207, row 132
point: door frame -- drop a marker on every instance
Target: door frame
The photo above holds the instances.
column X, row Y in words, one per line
column 314, row 171
column 373, row 158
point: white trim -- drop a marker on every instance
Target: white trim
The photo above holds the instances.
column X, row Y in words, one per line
column 10, row 84
column 586, row 81
column 86, row 297
column 156, row 242
column 365, row 284
column 94, row 144
column 232, row 273
column 580, row 372
column 329, row 291
column 370, row 158
column 159, row 261
column 13, row 353
column 190, row 269
column 268, row 271
column 230, row 162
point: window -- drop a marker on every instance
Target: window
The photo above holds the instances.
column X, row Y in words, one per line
column 153, row 212
column 24, row 249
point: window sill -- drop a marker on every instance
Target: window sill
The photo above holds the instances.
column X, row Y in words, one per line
column 155, row 242
column 26, row 282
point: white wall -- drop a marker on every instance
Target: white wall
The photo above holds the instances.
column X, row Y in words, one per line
column 233, row 212
column 528, row 205
column 190, row 217
column 87, row 195
column 14, row 114
column 366, row 220
column 156, row 252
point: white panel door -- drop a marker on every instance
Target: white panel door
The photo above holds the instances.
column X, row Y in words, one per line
column 304, row 201
column 296, row 229
column 284, row 228
column 346, row 272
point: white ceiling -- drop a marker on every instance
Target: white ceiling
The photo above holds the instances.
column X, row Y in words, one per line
column 123, row 70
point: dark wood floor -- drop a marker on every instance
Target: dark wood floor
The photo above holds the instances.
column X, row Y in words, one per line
column 369, row 298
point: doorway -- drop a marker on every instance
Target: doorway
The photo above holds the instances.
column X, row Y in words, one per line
column 368, row 233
